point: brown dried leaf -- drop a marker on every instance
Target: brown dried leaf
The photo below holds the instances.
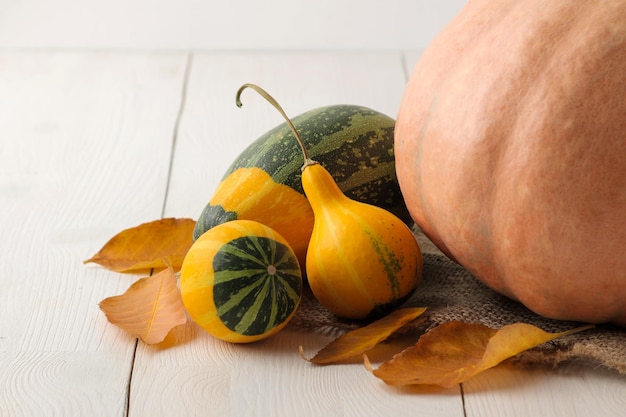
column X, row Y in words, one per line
column 365, row 338
column 155, row 244
column 149, row 309
column 456, row 351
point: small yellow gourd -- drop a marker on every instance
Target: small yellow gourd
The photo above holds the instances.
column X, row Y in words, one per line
column 361, row 260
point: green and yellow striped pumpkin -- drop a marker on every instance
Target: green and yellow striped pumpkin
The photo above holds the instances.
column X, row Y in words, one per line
column 241, row 281
column 354, row 143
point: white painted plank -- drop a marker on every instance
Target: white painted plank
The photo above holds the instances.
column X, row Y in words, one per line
column 572, row 390
column 201, row 375
column 273, row 377
column 84, row 151
column 268, row 378
column 75, row 383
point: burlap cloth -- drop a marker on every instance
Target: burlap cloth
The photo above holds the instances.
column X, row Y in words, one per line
column 450, row 293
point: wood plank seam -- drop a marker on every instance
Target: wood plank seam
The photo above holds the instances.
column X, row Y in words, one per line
column 179, row 115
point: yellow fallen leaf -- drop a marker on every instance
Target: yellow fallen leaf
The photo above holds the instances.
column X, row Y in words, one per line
column 365, row 338
column 149, row 309
column 454, row 352
column 157, row 244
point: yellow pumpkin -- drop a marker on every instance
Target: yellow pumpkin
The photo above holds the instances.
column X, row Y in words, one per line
column 362, row 260
column 256, row 196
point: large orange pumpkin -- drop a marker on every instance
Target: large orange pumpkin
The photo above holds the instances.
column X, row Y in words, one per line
column 511, row 151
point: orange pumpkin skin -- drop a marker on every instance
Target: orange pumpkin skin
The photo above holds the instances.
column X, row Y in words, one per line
column 511, row 151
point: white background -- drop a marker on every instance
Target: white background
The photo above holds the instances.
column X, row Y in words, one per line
column 224, row 24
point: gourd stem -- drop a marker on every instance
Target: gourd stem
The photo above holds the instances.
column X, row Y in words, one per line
column 307, row 160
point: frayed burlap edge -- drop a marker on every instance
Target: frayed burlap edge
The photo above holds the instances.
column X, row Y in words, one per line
column 450, row 293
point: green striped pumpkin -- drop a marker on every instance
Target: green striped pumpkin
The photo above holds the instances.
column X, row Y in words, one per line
column 241, row 281
column 264, row 183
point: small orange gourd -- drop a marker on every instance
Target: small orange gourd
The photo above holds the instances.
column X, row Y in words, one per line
column 361, row 260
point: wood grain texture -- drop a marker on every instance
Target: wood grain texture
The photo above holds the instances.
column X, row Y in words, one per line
column 269, row 378
column 73, row 383
column 572, row 390
column 85, row 143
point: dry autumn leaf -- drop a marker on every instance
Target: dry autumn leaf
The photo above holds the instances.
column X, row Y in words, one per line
column 149, row 309
column 155, row 244
column 358, row 341
column 456, row 351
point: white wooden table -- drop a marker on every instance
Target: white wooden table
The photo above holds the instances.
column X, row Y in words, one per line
column 95, row 142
